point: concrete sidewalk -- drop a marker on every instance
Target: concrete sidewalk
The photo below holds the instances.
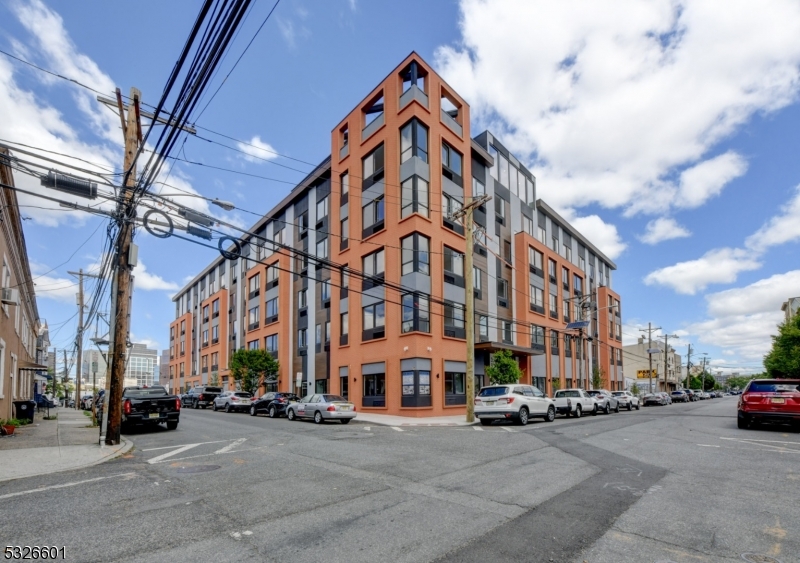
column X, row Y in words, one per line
column 391, row 420
column 50, row 446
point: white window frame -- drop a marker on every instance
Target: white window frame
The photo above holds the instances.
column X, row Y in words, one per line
column 2, row 367
column 13, row 375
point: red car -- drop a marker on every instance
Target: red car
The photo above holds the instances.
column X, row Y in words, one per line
column 773, row 400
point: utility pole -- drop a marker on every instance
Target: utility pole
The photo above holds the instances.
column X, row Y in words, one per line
column 469, row 295
column 666, row 356
column 65, row 379
column 703, row 375
column 79, row 343
column 126, row 209
column 649, row 332
column 688, row 364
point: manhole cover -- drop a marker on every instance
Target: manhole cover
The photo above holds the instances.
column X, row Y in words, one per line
column 199, row 468
column 758, row 558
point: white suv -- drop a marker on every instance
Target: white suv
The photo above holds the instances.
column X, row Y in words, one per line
column 627, row 400
column 513, row 402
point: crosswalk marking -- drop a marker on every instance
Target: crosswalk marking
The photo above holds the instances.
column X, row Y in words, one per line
column 396, row 428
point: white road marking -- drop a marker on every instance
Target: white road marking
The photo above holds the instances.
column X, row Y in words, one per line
column 213, row 453
column 507, row 429
column 478, row 428
column 398, row 429
column 64, row 485
column 754, row 440
column 177, row 451
column 367, row 428
column 708, row 446
column 230, row 446
column 179, row 445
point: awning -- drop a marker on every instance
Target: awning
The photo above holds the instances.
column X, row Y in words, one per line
column 519, row 350
column 23, row 365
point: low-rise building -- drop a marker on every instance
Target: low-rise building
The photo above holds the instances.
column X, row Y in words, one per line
column 355, row 282
column 790, row 308
column 666, row 371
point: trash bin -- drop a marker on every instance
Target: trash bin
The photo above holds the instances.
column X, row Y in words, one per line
column 23, row 410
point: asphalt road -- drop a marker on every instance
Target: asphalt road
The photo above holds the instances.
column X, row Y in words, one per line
column 665, row 484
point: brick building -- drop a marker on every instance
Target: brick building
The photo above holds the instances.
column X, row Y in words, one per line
column 393, row 339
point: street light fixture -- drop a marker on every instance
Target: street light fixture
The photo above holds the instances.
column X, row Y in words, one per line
column 226, row 205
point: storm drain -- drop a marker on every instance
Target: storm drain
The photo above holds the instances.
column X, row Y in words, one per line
column 199, row 469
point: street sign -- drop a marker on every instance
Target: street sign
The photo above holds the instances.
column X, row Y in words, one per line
column 654, row 350
column 94, row 366
column 577, row 324
column 646, row 374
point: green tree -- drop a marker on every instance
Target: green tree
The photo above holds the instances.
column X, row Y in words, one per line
column 783, row 360
column 250, row 368
column 504, row 369
column 597, row 377
column 635, row 389
column 556, row 384
column 739, row 381
column 214, row 380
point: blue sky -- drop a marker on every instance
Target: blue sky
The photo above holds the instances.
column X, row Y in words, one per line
column 667, row 133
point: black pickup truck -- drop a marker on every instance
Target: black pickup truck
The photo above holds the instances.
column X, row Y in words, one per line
column 150, row 406
column 200, row 397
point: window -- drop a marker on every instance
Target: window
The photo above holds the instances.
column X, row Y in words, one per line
column 537, row 299
column 322, row 208
column 252, row 345
column 372, row 168
column 413, row 141
column 502, row 289
column 414, row 196
column 318, row 338
column 500, row 210
column 494, row 170
column 454, row 320
column 374, row 321
column 508, row 333
column 271, row 344
column 477, row 279
column 415, row 255
column 483, row 328
column 302, row 222
column 536, row 259
column 554, row 306
column 215, row 308
column 327, row 332
column 302, row 338
column 302, row 299
column 527, row 225
column 373, row 266
column 322, row 248
column 416, row 388
column 502, row 165
column 272, row 310
column 372, row 216
column 374, row 385
column 582, row 263
column 454, row 383
column 577, row 285
column 451, row 163
column 507, row 251
column 554, row 343
column 416, row 313
column 343, row 386
column 205, row 314
column 565, row 305
column 568, row 345
column 478, row 188
column 565, row 278
column 272, row 275
column 542, row 235
column 344, row 230
column 254, row 285
column 537, row 337
column 451, row 206
column 567, row 251
column 551, row 270
column 344, row 182
column 252, row 318
column 454, row 265
column 325, row 290
column 215, row 334
column 344, row 326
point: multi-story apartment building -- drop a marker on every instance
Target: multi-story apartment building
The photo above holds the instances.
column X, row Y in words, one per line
column 363, row 292
column 21, row 349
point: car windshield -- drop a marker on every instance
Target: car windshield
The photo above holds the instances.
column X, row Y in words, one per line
column 619, row 393
column 245, row 395
column 594, row 393
column 153, row 392
column 212, row 390
column 771, row 387
column 332, row 399
column 493, row 391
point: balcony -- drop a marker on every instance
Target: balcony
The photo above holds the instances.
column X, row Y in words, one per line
column 252, row 326
column 214, row 367
column 255, row 293
column 215, row 315
column 214, row 340
column 553, row 314
column 205, row 320
column 537, row 309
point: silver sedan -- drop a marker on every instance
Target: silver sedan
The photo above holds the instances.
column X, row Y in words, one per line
column 322, row 407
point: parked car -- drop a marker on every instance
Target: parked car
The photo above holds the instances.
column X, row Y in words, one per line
column 666, row 396
column 200, row 397
column 627, row 400
column 770, row 400
column 231, row 401
column 606, row 402
column 653, row 399
column 574, row 402
column 691, row 395
column 513, row 402
column 322, row 407
column 679, row 396
column 274, row 404
column 150, row 406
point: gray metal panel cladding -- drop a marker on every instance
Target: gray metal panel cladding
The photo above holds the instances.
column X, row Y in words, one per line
column 371, row 193
column 452, row 189
column 370, row 369
column 415, row 166
column 416, row 363
column 459, row 367
column 416, row 282
column 344, row 371
column 373, row 295
column 454, row 293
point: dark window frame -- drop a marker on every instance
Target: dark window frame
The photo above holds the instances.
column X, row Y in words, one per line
column 419, row 306
column 376, row 331
column 414, row 149
column 414, row 204
column 418, row 265
column 375, row 156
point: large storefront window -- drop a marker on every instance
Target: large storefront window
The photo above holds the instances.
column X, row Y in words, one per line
column 374, row 376
column 455, row 392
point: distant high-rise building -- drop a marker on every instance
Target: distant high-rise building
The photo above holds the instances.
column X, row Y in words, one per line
column 791, row 307
column 142, row 364
column 163, row 368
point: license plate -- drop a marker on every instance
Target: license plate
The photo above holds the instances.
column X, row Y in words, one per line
column 778, row 400
column 344, row 408
column 154, row 415
column 491, row 402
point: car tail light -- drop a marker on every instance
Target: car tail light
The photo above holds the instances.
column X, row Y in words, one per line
column 569, row 403
column 200, row 398
column 126, row 407
column 234, row 398
column 477, row 400
column 509, row 400
column 177, row 404
column 331, row 408
column 280, row 400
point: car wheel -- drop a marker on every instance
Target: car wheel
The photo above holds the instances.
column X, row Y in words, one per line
column 742, row 421
column 595, row 411
column 318, row 418
column 253, row 411
column 195, row 405
column 617, row 409
column 522, row 417
column 578, row 411
column 630, row 407
column 172, row 424
column 638, row 406
column 346, row 420
column 214, row 406
column 607, row 409
column 485, row 421
column 551, row 414
column 228, row 407
column 273, row 412
column 290, row 414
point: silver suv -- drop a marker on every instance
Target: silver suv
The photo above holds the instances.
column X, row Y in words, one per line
column 606, row 402
column 513, row 402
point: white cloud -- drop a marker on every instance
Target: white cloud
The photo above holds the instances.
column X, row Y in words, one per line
column 603, row 235
column 780, row 229
column 57, row 289
column 146, row 281
column 256, row 150
column 609, row 100
column 661, row 229
column 147, row 341
column 765, row 295
column 721, row 265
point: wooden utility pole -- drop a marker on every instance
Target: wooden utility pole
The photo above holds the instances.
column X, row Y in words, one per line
column 688, row 365
column 469, row 297
column 79, row 339
column 126, row 208
column 65, row 379
column 666, row 356
column 649, row 332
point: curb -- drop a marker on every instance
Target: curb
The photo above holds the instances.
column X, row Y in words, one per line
column 416, row 425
